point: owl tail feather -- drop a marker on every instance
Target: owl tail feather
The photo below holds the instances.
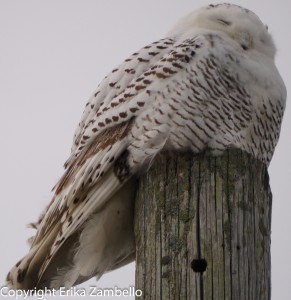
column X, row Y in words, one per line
column 104, row 242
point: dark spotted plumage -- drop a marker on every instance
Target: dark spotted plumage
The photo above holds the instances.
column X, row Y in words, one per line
column 209, row 84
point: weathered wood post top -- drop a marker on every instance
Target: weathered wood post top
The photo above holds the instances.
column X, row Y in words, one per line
column 202, row 228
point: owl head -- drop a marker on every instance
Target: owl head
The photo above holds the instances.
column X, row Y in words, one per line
column 238, row 23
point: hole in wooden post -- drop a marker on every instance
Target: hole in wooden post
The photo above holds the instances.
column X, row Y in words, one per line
column 199, row 265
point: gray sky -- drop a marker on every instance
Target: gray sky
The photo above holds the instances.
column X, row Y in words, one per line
column 52, row 56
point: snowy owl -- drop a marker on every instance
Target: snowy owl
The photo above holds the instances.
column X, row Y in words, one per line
column 211, row 83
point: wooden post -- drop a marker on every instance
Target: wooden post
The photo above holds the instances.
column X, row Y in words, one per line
column 202, row 228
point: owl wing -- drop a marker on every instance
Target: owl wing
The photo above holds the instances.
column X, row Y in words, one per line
column 101, row 135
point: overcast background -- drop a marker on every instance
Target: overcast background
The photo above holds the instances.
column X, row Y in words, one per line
column 52, row 56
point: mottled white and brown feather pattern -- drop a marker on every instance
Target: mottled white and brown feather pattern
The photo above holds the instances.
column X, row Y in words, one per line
column 212, row 84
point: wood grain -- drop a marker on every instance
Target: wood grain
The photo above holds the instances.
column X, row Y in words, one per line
column 192, row 211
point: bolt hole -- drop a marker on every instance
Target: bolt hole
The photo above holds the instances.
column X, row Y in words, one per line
column 199, row 265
